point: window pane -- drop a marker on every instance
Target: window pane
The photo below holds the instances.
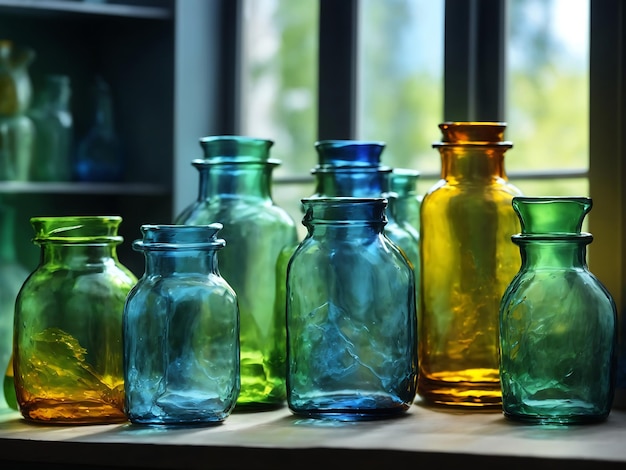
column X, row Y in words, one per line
column 400, row 95
column 279, row 90
column 279, row 79
column 547, row 92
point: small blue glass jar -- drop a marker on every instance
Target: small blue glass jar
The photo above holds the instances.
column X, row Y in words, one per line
column 351, row 323
column 181, row 330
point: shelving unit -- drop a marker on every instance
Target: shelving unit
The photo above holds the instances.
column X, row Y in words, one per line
column 132, row 48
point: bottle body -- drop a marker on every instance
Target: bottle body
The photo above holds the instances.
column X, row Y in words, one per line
column 467, row 262
column 235, row 191
column 557, row 322
column 67, row 348
column 351, row 324
column 181, row 331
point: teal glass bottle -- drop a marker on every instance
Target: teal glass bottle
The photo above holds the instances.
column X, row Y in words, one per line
column 54, row 130
column 557, row 321
column 180, row 330
column 67, row 350
column 351, row 323
column 403, row 182
column 235, row 190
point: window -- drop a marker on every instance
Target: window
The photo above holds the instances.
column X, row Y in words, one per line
column 393, row 70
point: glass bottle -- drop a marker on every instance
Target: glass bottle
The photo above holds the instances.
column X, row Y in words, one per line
column 352, row 168
column 235, row 190
column 54, row 130
column 181, row 330
column 558, row 333
column 17, row 132
column 351, row 323
column 99, row 153
column 12, row 276
column 68, row 324
column 403, row 182
column 467, row 261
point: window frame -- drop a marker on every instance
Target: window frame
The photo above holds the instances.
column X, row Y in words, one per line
column 474, row 89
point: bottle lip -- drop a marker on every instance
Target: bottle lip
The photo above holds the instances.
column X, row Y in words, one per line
column 168, row 237
column 473, row 134
column 93, row 230
column 201, row 163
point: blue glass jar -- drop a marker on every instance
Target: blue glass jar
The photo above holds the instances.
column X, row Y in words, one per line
column 181, row 330
column 351, row 323
column 235, row 190
column 558, row 331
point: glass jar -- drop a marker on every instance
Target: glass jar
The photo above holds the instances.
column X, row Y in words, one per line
column 54, row 129
column 351, row 323
column 353, row 168
column 181, row 330
column 68, row 324
column 235, row 190
column 468, row 261
column 558, row 333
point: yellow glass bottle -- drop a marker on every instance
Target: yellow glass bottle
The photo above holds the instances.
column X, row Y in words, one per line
column 467, row 261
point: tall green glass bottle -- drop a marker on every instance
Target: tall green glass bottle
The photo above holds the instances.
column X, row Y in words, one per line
column 235, row 190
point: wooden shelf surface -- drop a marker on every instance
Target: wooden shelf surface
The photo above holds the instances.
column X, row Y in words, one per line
column 278, row 439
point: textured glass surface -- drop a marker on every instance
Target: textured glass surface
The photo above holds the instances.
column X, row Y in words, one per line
column 181, row 330
column 351, row 323
column 68, row 324
column 468, row 260
column 17, row 132
column 557, row 321
column 235, row 190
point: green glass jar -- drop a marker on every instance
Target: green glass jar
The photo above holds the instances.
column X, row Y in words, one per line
column 235, row 190
column 468, row 260
column 557, row 321
column 67, row 349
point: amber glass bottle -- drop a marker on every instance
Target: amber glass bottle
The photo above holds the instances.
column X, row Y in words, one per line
column 467, row 261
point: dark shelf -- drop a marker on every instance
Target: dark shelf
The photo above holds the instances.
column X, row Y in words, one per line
column 85, row 8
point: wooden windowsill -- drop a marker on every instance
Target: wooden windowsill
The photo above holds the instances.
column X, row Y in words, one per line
column 278, row 439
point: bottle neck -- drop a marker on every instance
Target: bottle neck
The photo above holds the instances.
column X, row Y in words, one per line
column 361, row 182
column 472, row 163
column 345, row 218
column 568, row 252
column 78, row 255
column 236, row 180
column 177, row 262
